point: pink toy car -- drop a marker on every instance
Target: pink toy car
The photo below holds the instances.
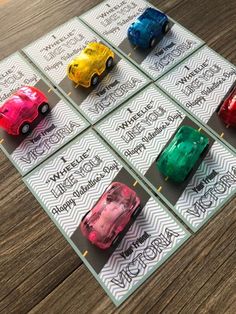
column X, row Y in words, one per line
column 105, row 221
column 21, row 109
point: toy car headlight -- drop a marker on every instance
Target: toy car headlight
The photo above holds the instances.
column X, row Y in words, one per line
column 92, row 236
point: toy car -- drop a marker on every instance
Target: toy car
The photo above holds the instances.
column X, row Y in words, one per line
column 148, row 28
column 105, row 221
column 93, row 60
column 179, row 157
column 21, row 109
column 227, row 107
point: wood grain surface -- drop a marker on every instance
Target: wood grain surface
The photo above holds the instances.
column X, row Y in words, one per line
column 39, row 271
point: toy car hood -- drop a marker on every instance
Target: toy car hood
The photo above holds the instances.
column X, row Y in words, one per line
column 138, row 26
column 110, row 215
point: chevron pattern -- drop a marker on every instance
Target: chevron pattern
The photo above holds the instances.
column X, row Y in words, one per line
column 122, row 72
column 69, row 221
column 20, row 72
column 108, row 128
column 108, row 30
column 60, row 116
column 218, row 159
column 154, row 220
column 177, row 35
column 82, row 34
column 206, row 109
column 134, row 9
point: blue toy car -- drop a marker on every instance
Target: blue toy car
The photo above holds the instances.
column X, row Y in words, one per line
column 148, row 28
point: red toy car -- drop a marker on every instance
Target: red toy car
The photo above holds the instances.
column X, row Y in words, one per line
column 21, row 109
column 227, row 107
column 105, row 221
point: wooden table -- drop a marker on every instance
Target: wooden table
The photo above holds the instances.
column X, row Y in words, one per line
column 39, row 271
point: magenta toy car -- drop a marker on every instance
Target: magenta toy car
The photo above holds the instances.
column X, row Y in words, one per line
column 21, row 109
column 108, row 218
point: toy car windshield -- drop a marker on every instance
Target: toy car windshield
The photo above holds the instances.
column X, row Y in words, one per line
column 180, row 156
column 107, row 219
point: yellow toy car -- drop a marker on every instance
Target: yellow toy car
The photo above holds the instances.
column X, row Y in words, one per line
column 93, row 60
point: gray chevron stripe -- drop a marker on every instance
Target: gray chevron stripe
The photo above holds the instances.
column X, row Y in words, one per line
column 154, row 220
column 215, row 64
column 60, row 116
column 110, row 127
column 218, row 159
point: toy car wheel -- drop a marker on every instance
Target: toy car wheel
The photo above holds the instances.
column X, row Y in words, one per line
column 25, row 128
column 153, row 42
column 165, row 27
column 109, row 63
column 44, row 108
column 94, row 80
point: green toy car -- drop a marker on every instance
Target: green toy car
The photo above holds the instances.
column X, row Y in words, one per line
column 180, row 156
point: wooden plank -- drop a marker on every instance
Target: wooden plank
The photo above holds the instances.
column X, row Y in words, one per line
column 34, row 256
column 23, row 22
